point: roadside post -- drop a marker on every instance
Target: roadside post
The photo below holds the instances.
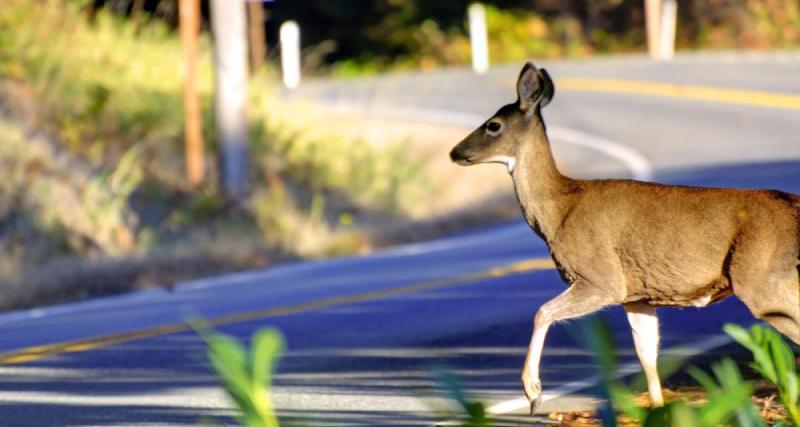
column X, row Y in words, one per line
column 189, row 22
column 258, row 43
column 652, row 15
column 669, row 20
column 290, row 54
column 478, row 38
column 661, row 18
column 229, row 26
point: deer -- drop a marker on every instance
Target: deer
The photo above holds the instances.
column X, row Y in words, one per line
column 638, row 244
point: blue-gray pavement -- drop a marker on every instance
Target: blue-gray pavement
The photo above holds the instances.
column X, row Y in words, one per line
column 276, row 287
column 669, row 132
column 365, row 363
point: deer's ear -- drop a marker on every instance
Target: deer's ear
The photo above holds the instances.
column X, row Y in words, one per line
column 533, row 87
column 548, row 88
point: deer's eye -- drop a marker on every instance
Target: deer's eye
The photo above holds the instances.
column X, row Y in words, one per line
column 494, row 127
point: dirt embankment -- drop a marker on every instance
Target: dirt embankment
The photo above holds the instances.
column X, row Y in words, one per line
column 36, row 274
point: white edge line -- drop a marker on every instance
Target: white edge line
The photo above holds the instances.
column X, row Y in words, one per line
column 254, row 275
column 638, row 166
column 514, row 405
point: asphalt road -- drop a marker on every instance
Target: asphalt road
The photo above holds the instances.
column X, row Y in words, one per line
column 366, row 333
column 672, row 131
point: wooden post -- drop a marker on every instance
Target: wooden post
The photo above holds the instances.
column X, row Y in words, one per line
column 230, row 95
column 193, row 128
column 258, row 49
column 652, row 15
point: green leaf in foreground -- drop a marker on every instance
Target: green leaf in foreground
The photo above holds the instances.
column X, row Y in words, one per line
column 246, row 375
column 474, row 412
column 728, row 393
column 774, row 360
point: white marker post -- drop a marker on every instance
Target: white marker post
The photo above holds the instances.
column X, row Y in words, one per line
column 478, row 38
column 652, row 12
column 290, row 54
column 230, row 93
column 669, row 20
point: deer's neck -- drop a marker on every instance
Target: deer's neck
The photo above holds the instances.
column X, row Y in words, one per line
column 541, row 190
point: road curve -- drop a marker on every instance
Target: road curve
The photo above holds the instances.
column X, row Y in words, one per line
column 365, row 333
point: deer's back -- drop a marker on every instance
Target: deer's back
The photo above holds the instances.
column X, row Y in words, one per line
column 672, row 243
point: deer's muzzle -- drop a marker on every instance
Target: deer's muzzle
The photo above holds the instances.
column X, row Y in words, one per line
column 458, row 156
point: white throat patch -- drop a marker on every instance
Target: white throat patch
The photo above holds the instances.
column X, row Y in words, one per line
column 510, row 162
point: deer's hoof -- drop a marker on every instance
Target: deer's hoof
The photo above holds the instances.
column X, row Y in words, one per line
column 535, row 403
column 533, row 391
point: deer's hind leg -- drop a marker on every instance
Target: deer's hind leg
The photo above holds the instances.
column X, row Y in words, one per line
column 766, row 279
column 644, row 325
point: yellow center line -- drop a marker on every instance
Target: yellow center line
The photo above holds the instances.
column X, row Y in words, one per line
column 671, row 90
column 49, row 350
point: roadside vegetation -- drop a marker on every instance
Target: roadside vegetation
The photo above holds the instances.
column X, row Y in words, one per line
column 91, row 134
column 417, row 34
column 722, row 397
column 95, row 201
column 514, row 35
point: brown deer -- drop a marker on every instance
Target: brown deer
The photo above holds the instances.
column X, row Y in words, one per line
column 639, row 244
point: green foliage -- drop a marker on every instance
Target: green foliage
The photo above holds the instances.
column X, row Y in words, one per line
column 102, row 86
column 772, row 359
column 517, row 35
column 247, row 374
column 405, row 34
column 730, row 24
column 514, row 35
column 471, row 414
column 728, row 393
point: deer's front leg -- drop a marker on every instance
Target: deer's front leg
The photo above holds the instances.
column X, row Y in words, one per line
column 579, row 300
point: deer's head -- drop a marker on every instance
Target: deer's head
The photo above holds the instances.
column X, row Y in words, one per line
column 498, row 139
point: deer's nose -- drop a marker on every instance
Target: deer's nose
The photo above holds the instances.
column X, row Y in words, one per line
column 457, row 155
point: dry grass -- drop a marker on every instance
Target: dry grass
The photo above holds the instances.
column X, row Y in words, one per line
column 94, row 200
column 44, row 274
column 765, row 399
column 69, row 279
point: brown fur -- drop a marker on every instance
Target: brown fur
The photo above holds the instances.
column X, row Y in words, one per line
column 624, row 241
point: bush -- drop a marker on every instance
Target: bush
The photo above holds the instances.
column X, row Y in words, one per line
column 774, row 361
column 514, row 35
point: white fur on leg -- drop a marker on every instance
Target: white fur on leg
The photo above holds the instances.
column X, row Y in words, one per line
column 644, row 325
column 530, row 372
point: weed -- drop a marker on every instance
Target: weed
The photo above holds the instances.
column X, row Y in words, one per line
column 774, row 361
column 246, row 377
column 246, row 374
